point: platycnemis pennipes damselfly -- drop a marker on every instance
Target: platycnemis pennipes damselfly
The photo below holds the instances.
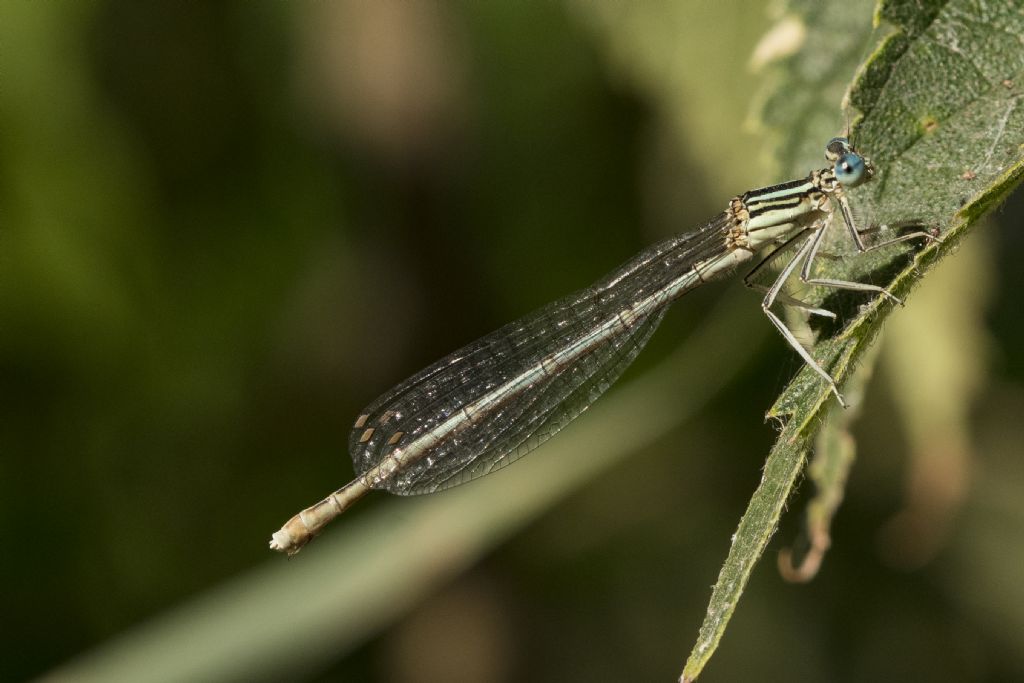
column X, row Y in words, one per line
column 500, row 397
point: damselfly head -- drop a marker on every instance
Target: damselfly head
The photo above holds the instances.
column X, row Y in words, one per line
column 850, row 168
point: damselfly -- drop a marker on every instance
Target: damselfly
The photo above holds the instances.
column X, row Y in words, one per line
column 500, row 397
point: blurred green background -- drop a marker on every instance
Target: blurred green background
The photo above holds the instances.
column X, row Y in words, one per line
column 226, row 227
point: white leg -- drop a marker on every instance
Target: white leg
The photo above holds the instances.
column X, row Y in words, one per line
column 773, row 295
column 782, row 296
column 805, row 272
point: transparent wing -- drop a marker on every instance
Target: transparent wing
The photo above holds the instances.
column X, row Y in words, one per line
column 552, row 406
column 498, row 398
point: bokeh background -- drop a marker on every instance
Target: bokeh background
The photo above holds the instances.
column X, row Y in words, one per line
column 226, row 227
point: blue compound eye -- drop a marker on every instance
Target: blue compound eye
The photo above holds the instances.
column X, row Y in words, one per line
column 850, row 169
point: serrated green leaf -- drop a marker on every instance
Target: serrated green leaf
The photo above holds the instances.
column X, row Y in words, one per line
column 940, row 115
